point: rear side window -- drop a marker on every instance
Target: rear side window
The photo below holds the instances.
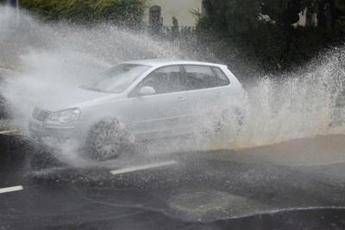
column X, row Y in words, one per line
column 202, row 77
column 221, row 76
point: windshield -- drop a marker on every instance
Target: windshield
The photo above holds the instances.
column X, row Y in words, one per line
column 118, row 78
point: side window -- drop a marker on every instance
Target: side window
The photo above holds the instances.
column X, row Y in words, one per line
column 165, row 80
column 222, row 78
column 201, row 77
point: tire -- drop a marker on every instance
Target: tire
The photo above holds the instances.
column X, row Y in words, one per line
column 108, row 140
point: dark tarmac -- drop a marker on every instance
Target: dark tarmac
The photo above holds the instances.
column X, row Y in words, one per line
column 264, row 188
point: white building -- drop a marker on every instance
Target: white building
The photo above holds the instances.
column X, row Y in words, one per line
column 161, row 12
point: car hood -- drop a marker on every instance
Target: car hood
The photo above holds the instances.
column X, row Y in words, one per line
column 78, row 97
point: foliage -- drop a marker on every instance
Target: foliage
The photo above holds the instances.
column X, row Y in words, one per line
column 263, row 31
column 123, row 12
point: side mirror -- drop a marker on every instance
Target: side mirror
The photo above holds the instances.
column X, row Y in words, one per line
column 146, row 91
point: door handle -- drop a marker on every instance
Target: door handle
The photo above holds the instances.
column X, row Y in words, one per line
column 181, row 98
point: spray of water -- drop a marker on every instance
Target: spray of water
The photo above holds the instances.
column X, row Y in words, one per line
column 52, row 59
column 303, row 104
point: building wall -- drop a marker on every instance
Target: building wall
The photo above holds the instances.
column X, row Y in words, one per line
column 180, row 9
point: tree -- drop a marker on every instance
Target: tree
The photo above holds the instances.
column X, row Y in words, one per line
column 122, row 12
column 266, row 31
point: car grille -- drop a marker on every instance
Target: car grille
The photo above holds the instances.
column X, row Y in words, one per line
column 40, row 115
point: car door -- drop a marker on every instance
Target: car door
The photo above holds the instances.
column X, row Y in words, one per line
column 209, row 90
column 159, row 115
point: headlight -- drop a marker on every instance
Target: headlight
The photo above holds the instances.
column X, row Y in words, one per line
column 63, row 117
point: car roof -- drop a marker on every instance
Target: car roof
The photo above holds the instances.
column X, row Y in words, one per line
column 166, row 62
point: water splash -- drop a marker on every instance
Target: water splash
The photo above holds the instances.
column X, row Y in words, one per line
column 296, row 105
column 54, row 58
column 51, row 59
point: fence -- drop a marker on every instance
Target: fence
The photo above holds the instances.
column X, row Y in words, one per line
column 173, row 32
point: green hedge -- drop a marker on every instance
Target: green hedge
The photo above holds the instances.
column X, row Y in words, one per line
column 122, row 12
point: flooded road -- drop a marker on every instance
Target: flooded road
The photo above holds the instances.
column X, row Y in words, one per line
column 297, row 184
column 276, row 178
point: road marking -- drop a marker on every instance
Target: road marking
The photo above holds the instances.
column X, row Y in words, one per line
column 11, row 189
column 9, row 132
column 142, row 167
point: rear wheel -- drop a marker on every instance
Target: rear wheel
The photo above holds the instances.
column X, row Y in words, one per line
column 233, row 119
column 229, row 121
column 109, row 139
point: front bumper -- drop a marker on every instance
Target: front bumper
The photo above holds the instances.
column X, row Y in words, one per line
column 39, row 132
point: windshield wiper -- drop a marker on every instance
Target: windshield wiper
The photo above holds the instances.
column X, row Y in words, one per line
column 96, row 90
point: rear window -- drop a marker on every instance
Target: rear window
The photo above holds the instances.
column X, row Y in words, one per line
column 202, row 77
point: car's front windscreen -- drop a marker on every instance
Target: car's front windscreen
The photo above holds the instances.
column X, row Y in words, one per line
column 118, row 78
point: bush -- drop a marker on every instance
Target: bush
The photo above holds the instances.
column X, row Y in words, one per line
column 120, row 12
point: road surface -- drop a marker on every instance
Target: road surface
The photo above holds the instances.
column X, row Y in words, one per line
column 294, row 185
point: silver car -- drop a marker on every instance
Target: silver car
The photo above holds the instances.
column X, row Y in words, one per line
column 140, row 101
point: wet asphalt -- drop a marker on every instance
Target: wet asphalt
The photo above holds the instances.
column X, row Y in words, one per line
column 209, row 190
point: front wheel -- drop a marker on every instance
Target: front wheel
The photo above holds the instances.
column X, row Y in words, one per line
column 109, row 139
